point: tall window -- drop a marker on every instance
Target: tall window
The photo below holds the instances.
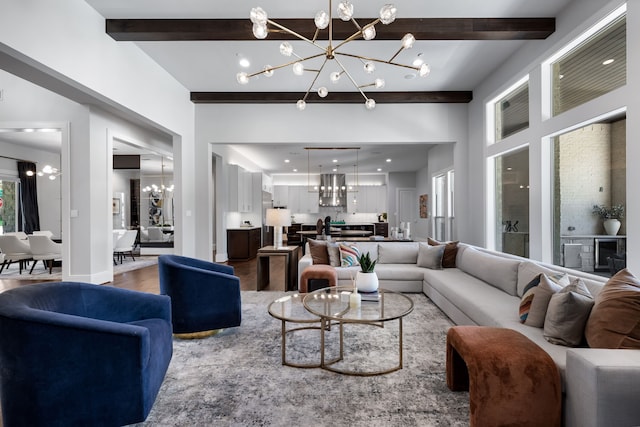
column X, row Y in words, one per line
column 512, row 112
column 443, row 206
column 593, row 68
column 512, row 202
column 589, row 168
column 8, row 207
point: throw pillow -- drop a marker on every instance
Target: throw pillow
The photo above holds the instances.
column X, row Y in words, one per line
column 614, row 321
column 348, row 255
column 450, row 252
column 536, row 297
column 430, row 256
column 334, row 254
column 318, row 251
column 567, row 314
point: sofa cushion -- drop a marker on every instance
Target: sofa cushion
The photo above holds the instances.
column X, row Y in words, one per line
column 318, row 251
column 527, row 271
column 495, row 270
column 349, row 255
column 368, row 247
column 450, row 252
column 615, row 318
column 541, row 296
column 398, row 253
column 567, row 314
column 430, row 256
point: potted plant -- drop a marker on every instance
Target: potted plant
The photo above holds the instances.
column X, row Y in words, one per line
column 367, row 279
column 611, row 217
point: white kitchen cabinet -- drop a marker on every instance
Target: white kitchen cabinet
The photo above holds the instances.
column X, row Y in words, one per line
column 281, row 196
column 302, row 201
column 240, row 189
column 368, row 199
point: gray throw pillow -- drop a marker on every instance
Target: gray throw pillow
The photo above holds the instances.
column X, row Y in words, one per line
column 567, row 314
column 542, row 293
column 334, row 254
column 430, row 256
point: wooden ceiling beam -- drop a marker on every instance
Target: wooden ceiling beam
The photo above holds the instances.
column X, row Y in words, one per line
column 447, row 97
column 421, row 28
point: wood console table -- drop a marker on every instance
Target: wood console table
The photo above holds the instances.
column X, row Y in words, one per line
column 290, row 254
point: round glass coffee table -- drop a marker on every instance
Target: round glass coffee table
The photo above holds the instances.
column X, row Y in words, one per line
column 290, row 310
column 331, row 305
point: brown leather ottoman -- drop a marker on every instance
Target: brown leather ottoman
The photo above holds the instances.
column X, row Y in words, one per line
column 317, row 276
column 511, row 380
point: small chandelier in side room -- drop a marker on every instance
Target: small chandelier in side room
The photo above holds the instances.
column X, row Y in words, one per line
column 48, row 171
column 262, row 26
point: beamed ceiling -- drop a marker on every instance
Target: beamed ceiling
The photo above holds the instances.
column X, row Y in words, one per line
column 424, row 29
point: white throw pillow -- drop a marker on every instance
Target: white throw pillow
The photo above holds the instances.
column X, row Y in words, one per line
column 430, row 256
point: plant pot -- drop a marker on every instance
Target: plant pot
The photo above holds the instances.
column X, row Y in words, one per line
column 611, row 226
column 367, row 282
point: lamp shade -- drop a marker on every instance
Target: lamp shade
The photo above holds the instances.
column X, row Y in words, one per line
column 279, row 217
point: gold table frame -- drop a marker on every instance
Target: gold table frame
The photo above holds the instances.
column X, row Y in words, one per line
column 332, row 297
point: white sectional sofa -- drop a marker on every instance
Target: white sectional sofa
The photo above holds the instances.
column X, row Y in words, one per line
column 601, row 387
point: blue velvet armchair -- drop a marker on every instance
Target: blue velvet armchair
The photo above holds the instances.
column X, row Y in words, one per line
column 81, row 354
column 204, row 295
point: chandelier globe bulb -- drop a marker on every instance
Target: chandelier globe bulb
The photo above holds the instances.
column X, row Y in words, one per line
column 369, row 32
column 388, row 14
column 286, row 49
column 298, row 69
column 268, row 71
column 242, row 78
column 424, row 70
column 345, row 10
column 408, row 40
column 370, row 104
column 301, row 105
column 334, row 77
column 258, row 16
column 321, row 20
column 323, row 92
column 260, row 31
column 379, row 83
column 369, row 67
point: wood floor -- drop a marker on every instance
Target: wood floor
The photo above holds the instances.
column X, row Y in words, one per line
column 146, row 279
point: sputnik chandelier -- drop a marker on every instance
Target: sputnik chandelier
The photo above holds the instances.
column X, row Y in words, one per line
column 262, row 26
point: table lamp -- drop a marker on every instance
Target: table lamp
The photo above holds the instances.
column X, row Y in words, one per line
column 278, row 218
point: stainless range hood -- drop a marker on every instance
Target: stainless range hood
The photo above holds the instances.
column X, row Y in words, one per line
column 333, row 190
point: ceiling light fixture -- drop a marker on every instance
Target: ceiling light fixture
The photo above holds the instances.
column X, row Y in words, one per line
column 48, row 171
column 262, row 26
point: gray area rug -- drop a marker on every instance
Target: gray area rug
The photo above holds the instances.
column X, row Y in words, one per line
column 42, row 273
column 236, row 377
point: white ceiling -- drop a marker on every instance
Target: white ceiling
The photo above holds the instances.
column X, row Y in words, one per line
column 213, row 65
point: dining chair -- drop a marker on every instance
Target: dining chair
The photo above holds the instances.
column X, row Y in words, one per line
column 43, row 233
column 44, row 249
column 14, row 249
column 125, row 245
column 21, row 235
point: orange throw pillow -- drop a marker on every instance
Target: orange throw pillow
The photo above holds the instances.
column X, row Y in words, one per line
column 615, row 318
column 450, row 252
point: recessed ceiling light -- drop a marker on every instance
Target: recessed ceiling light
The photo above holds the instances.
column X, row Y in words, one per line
column 410, row 76
column 608, row 61
column 561, row 76
column 286, row 160
column 335, row 160
column 335, row 169
column 295, row 170
column 509, row 169
column 388, row 160
column 418, row 61
column 379, row 169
